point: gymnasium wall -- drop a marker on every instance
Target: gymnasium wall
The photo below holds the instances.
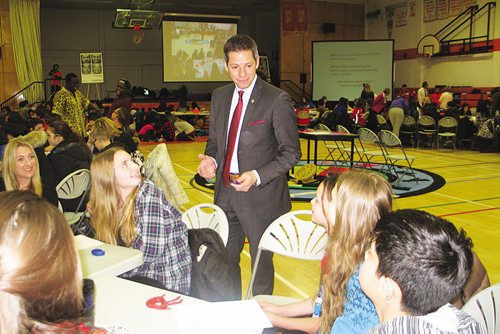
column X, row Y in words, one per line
column 296, row 48
column 67, row 32
column 479, row 70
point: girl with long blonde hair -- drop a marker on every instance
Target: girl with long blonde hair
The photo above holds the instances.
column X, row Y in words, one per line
column 129, row 211
column 359, row 199
column 21, row 171
column 348, row 206
column 40, row 275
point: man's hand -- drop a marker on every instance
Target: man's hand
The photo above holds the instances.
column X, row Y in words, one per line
column 245, row 181
column 206, row 167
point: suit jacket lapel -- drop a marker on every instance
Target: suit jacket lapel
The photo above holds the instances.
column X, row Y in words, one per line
column 225, row 115
column 251, row 104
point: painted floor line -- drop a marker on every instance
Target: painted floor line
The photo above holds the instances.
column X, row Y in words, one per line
column 453, row 203
column 461, row 166
column 467, row 212
column 463, row 200
column 474, row 179
column 284, row 281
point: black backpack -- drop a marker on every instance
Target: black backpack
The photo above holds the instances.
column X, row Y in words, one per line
column 210, row 275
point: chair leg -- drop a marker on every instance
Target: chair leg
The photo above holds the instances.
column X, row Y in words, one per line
column 254, row 272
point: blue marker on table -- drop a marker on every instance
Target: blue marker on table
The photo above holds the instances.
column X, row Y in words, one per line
column 97, row 252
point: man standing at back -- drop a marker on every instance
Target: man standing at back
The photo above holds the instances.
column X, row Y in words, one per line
column 70, row 103
column 253, row 142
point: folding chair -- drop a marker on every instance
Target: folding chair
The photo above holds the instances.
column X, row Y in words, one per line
column 74, row 185
column 344, row 149
column 291, row 235
column 382, row 122
column 207, row 215
column 484, row 307
column 447, row 128
column 367, row 136
column 331, row 148
column 409, row 128
column 390, row 143
column 426, row 128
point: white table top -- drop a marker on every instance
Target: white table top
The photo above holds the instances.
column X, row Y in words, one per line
column 122, row 303
column 115, row 261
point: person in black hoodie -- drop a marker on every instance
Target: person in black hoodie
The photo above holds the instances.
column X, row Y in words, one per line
column 69, row 153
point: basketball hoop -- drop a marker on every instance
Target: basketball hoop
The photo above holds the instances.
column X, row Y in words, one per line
column 137, row 34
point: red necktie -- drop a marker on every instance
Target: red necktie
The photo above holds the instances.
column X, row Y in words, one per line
column 231, row 138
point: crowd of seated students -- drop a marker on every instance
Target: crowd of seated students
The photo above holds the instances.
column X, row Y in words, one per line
column 383, row 271
column 127, row 210
column 141, row 216
column 364, row 113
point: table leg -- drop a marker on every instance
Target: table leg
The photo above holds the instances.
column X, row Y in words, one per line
column 352, row 151
column 308, row 149
column 316, row 152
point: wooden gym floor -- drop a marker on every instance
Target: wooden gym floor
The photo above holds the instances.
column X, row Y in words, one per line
column 470, row 199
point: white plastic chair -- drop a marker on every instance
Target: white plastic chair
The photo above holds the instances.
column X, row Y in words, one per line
column 484, row 307
column 74, row 185
column 290, row 235
column 207, row 215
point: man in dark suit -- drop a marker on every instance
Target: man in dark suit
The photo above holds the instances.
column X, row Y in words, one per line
column 250, row 157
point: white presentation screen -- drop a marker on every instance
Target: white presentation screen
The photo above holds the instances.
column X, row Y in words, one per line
column 192, row 51
column 340, row 68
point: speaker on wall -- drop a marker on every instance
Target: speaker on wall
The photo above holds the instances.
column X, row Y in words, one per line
column 328, row 28
column 303, row 78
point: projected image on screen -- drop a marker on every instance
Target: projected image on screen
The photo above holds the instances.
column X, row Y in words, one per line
column 193, row 51
column 341, row 67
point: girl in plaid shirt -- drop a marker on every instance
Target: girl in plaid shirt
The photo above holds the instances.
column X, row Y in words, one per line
column 132, row 212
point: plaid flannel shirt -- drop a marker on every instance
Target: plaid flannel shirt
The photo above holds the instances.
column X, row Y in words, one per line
column 163, row 239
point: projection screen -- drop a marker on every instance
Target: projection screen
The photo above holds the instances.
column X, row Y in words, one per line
column 192, row 48
column 340, row 68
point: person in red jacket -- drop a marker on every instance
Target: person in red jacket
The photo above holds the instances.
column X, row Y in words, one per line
column 379, row 106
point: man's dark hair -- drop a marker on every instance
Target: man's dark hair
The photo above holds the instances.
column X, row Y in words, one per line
column 425, row 84
column 425, row 255
column 70, row 76
column 240, row 43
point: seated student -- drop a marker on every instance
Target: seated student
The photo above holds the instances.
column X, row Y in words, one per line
column 416, row 264
column 36, row 124
column 348, row 208
column 184, row 130
column 69, row 152
column 104, row 134
column 41, row 279
column 38, row 140
column 132, row 212
column 21, row 171
column 121, row 117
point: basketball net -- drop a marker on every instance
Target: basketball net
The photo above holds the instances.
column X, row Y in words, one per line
column 137, row 34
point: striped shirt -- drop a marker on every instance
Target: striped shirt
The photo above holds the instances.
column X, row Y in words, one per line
column 446, row 320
